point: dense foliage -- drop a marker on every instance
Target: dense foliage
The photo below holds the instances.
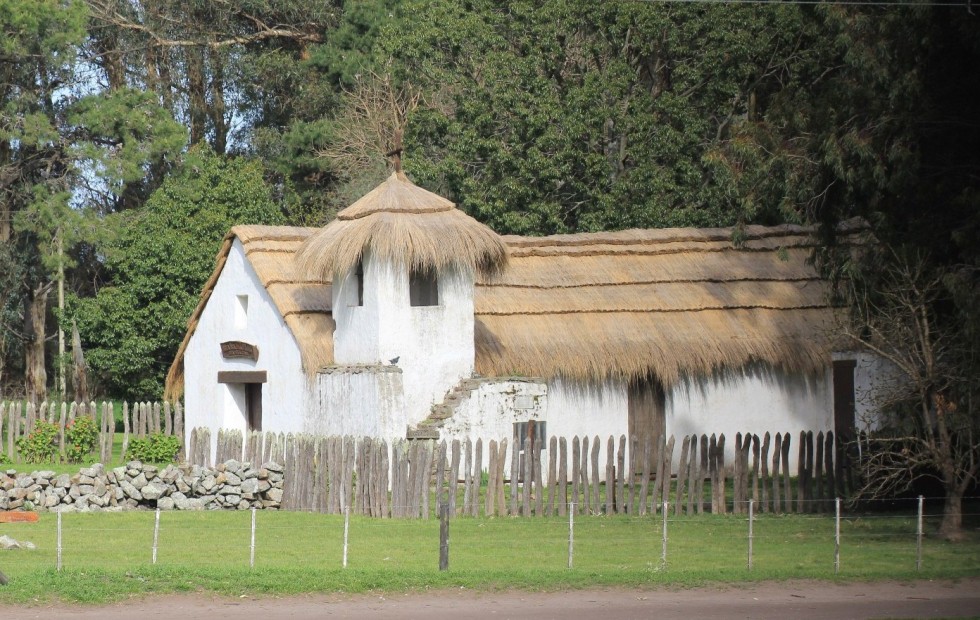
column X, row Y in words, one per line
column 41, row 444
column 154, row 448
column 157, row 264
column 81, row 437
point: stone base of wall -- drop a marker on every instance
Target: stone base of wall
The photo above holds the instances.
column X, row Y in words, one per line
column 231, row 485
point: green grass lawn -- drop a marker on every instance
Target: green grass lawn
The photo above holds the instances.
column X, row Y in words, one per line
column 107, row 556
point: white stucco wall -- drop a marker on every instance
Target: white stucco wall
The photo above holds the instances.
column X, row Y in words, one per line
column 490, row 411
column 362, row 401
column 215, row 405
column 875, row 382
column 757, row 400
column 493, row 407
column 433, row 344
column 587, row 409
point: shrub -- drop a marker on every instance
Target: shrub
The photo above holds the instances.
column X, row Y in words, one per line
column 41, row 445
column 80, row 438
column 155, row 448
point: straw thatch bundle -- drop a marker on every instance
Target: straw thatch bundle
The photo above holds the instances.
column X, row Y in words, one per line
column 405, row 224
column 666, row 303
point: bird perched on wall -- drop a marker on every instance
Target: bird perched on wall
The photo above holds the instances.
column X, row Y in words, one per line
column 394, row 360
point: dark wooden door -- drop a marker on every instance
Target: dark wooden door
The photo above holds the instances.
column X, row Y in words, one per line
column 844, row 399
column 253, row 406
column 647, row 418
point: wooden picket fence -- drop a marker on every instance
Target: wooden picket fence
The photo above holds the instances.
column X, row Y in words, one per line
column 411, row 478
column 18, row 419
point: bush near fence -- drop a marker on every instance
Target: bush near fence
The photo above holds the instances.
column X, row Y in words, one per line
column 18, row 419
column 410, row 478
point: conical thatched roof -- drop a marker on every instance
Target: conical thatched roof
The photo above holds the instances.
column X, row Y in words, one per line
column 403, row 223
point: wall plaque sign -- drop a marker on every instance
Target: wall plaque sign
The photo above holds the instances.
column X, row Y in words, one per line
column 234, row 349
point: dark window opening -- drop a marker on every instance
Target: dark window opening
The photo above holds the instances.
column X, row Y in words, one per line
column 359, row 274
column 423, row 287
column 533, row 430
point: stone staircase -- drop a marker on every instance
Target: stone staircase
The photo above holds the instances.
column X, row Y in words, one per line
column 430, row 426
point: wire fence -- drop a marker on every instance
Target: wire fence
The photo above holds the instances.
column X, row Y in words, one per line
column 845, row 543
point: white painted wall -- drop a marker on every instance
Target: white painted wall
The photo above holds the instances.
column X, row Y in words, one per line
column 567, row 408
column 491, row 410
column 876, row 380
column 758, row 400
column 587, row 409
column 215, row 405
column 358, row 400
column 433, row 344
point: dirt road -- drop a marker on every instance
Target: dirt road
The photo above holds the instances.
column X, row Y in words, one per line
column 795, row 600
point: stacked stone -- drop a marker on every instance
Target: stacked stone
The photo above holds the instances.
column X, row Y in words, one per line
column 230, row 485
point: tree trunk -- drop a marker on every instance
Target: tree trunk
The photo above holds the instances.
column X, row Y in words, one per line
column 80, row 374
column 951, row 527
column 36, row 377
column 217, row 109
column 197, row 104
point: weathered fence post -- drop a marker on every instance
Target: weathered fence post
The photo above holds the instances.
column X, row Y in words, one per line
column 571, row 533
column 251, row 547
column 346, row 533
column 59, row 542
column 620, row 479
column 837, row 536
column 918, row 537
column 156, row 534
column 444, row 510
column 751, row 522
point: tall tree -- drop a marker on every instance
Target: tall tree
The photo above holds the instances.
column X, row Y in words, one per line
column 157, row 265
column 569, row 115
column 48, row 152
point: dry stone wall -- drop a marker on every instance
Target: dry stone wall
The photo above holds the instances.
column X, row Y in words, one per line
column 231, row 485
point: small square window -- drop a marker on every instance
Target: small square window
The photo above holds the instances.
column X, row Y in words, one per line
column 533, row 430
column 423, row 287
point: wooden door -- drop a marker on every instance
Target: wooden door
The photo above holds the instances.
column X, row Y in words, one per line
column 647, row 418
column 253, row 406
column 844, row 412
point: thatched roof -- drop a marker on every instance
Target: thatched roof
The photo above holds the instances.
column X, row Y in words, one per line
column 302, row 300
column 667, row 303
column 406, row 224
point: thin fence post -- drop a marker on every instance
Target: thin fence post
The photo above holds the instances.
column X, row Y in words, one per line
column 571, row 534
column 444, row 537
column 156, row 534
column 346, row 532
column 751, row 519
column 59, row 541
column 837, row 536
column 251, row 548
column 663, row 551
column 918, row 538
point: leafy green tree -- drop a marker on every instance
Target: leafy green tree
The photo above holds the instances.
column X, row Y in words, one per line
column 51, row 149
column 157, row 265
column 567, row 115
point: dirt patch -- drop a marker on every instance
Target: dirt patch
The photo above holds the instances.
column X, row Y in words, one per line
column 792, row 600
